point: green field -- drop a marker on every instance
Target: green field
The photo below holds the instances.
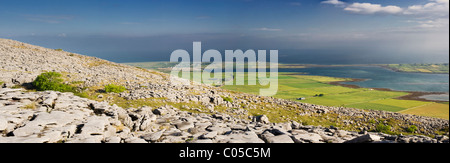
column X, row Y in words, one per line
column 431, row 110
column 292, row 87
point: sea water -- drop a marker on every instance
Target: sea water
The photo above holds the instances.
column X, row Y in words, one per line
column 378, row 77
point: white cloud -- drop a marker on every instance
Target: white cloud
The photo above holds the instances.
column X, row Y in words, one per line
column 435, row 8
column 333, row 2
column 432, row 15
column 203, row 17
column 130, row 23
column 368, row 8
column 268, row 29
column 62, row 35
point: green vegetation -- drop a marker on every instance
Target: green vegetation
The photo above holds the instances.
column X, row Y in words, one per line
column 392, row 105
column 412, row 129
column 60, row 50
column 114, row 88
column 383, row 128
column 422, row 68
column 1, row 83
column 228, row 99
column 51, row 81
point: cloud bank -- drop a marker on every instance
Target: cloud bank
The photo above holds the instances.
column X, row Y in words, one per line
column 434, row 8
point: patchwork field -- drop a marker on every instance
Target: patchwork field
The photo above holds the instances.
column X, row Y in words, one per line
column 293, row 87
column 317, row 90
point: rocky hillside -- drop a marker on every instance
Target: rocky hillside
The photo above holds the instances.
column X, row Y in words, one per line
column 153, row 109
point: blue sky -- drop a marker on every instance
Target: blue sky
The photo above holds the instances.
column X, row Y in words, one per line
column 304, row 31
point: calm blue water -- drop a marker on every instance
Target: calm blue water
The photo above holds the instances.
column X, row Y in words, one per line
column 378, row 77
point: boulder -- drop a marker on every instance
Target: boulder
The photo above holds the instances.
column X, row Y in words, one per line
column 209, row 135
column 309, row 138
column 279, row 139
column 184, row 125
column 261, row 119
column 153, row 137
column 239, row 137
column 3, row 123
column 368, row 138
column 160, row 111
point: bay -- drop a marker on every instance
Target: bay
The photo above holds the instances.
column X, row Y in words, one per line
column 378, row 77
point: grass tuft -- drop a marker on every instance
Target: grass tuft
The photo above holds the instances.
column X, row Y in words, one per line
column 111, row 88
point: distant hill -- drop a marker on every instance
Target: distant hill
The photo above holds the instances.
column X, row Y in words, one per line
column 420, row 68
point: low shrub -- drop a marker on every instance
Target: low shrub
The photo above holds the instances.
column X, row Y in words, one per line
column 114, row 88
column 412, row 129
column 51, row 81
column 383, row 128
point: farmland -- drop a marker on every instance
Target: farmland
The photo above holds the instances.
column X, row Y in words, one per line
column 438, row 110
column 292, row 87
column 318, row 90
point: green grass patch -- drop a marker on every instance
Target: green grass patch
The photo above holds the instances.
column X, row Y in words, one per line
column 373, row 106
column 401, row 103
column 436, row 110
column 412, row 129
column 228, row 99
column 111, row 88
column 353, row 98
column 383, row 128
column 53, row 81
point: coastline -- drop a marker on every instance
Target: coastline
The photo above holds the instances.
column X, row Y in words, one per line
column 412, row 95
column 398, row 70
column 287, row 66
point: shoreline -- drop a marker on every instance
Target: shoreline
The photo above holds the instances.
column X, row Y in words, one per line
column 398, row 70
column 289, row 66
column 412, row 95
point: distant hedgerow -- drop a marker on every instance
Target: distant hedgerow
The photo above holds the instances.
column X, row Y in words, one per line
column 51, row 81
column 114, row 88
